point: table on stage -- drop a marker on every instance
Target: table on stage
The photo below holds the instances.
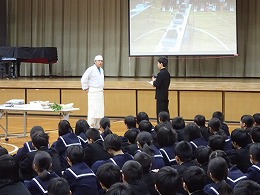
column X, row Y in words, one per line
column 25, row 108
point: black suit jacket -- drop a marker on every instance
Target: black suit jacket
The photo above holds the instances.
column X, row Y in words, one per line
column 162, row 84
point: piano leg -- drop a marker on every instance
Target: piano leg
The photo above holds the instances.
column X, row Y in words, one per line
column 50, row 69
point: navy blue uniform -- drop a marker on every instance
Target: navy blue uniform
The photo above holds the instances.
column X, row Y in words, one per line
column 198, row 142
column 253, row 173
column 168, row 154
column 62, row 144
column 211, row 189
column 83, row 139
column 81, row 179
column 235, row 176
column 38, row 186
column 22, row 152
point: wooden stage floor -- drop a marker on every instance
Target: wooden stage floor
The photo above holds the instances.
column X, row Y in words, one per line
column 50, row 123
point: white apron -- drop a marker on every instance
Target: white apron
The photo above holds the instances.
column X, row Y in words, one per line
column 95, row 103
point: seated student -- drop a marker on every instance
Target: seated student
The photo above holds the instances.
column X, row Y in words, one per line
column 3, row 151
column 201, row 155
column 247, row 187
column 145, row 143
column 59, row 186
column 132, row 175
column 178, row 125
column 28, row 146
column 240, row 155
column 214, row 126
column 234, row 174
column 219, row 115
column 113, row 145
column 120, row 189
column 164, row 118
column 167, row 181
column 105, row 127
column 148, row 176
column 194, row 179
column 130, row 123
column 200, row 121
column 108, row 174
column 253, row 172
column 142, row 116
column 256, row 117
column 10, row 180
column 216, row 142
column 94, row 151
column 79, row 176
column 131, row 147
column 41, row 142
column 247, row 122
column 192, row 134
column 218, row 172
column 255, row 134
column 66, row 138
column 80, row 130
column 42, row 165
column 166, row 139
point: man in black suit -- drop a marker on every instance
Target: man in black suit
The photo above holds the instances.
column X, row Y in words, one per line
column 162, row 83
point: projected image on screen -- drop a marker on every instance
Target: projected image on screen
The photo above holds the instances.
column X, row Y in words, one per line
column 182, row 27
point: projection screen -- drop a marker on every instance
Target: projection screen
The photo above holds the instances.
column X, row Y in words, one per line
column 182, row 27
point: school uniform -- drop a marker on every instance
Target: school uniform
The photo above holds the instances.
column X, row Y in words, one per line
column 13, row 188
column 205, row 132
column 198, row 142
column 38, row 186
column 63, row 142
column 168, row 154
column 211, row 189
column 81, row 179
column 149, row 180
column 139, row 187
column 235, row 176
column 253, row 173
column 27, row 170
column 83, row 139
column 94, row 152
column 118, row 160
column 22, row 152
column 158, row 161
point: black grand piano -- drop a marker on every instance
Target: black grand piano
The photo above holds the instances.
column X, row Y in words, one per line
column 16, row 55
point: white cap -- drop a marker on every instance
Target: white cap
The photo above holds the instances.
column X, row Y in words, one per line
column 98, row 57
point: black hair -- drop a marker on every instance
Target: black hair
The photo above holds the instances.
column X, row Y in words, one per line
column 255, row 151
column 120, row 189
column 58, row 186
column 145, row 125
column 109, row 174
column 166, row 137
column 184, row 151
column 75, row 154
column 248, row 120
column 221, row 153
column 40, row 139
column 214, row 124
column 202, row 154
column 178, row 123
column 93, row 134
column 218, row 115
column 64, row 127
column 255, row 134
column 163, row 61
column 9, row 169
column 130, row 121
column 132, row 171
column 240, row 137
column 145, row 160
column 145, row 140
column 113, row 142
column 256, row 117
column 131, row 135
column 218, row 169
column 36, row 129
column 200, row 120
column 164, row 116
column 3, row 151
column 105, row 124
column 247, row 187
column 43, row 162
column 81, row 126
column 191, row 132
column 216, row 142
column 141, row 116
column 167, row 181
column 194, row 178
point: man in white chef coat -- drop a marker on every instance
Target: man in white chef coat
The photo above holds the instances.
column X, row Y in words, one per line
column 93, row 83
